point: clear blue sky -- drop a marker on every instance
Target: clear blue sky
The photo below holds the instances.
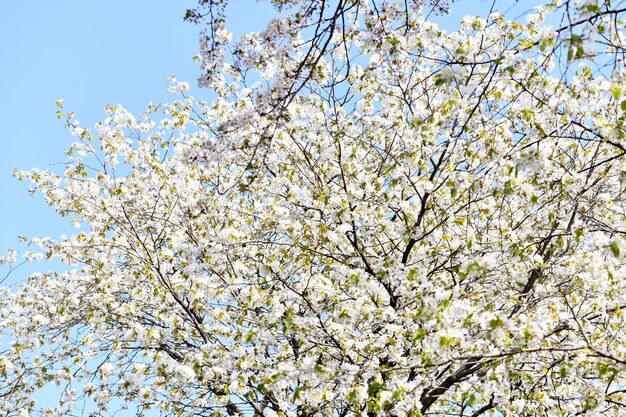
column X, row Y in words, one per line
column 89, row 53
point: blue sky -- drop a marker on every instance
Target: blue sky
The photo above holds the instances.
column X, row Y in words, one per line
column 89, row 53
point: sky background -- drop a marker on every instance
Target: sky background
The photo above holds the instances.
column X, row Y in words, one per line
column 90, row 54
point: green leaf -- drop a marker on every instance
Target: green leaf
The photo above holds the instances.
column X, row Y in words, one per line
column 580, row 52
column 467, row 321
column 614, row 248
column 445, row 341
column 593, row 8
column 296, row 392
column 418, row 335
column 508, row 187
column 374, row 389
column 439, row 81
column 352, row 397
column 527, row 114
column 616, row 92
column 495, row 323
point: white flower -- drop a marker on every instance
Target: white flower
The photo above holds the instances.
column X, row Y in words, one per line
column 185, row 372
column 106, row 370
column 177, row 87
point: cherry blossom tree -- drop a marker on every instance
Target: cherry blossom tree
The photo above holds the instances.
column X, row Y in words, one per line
column 386, row 219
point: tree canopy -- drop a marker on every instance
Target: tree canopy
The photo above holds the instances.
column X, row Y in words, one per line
column 374, row 216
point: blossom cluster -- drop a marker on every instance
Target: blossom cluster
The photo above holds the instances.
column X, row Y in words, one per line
column 435, row 226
